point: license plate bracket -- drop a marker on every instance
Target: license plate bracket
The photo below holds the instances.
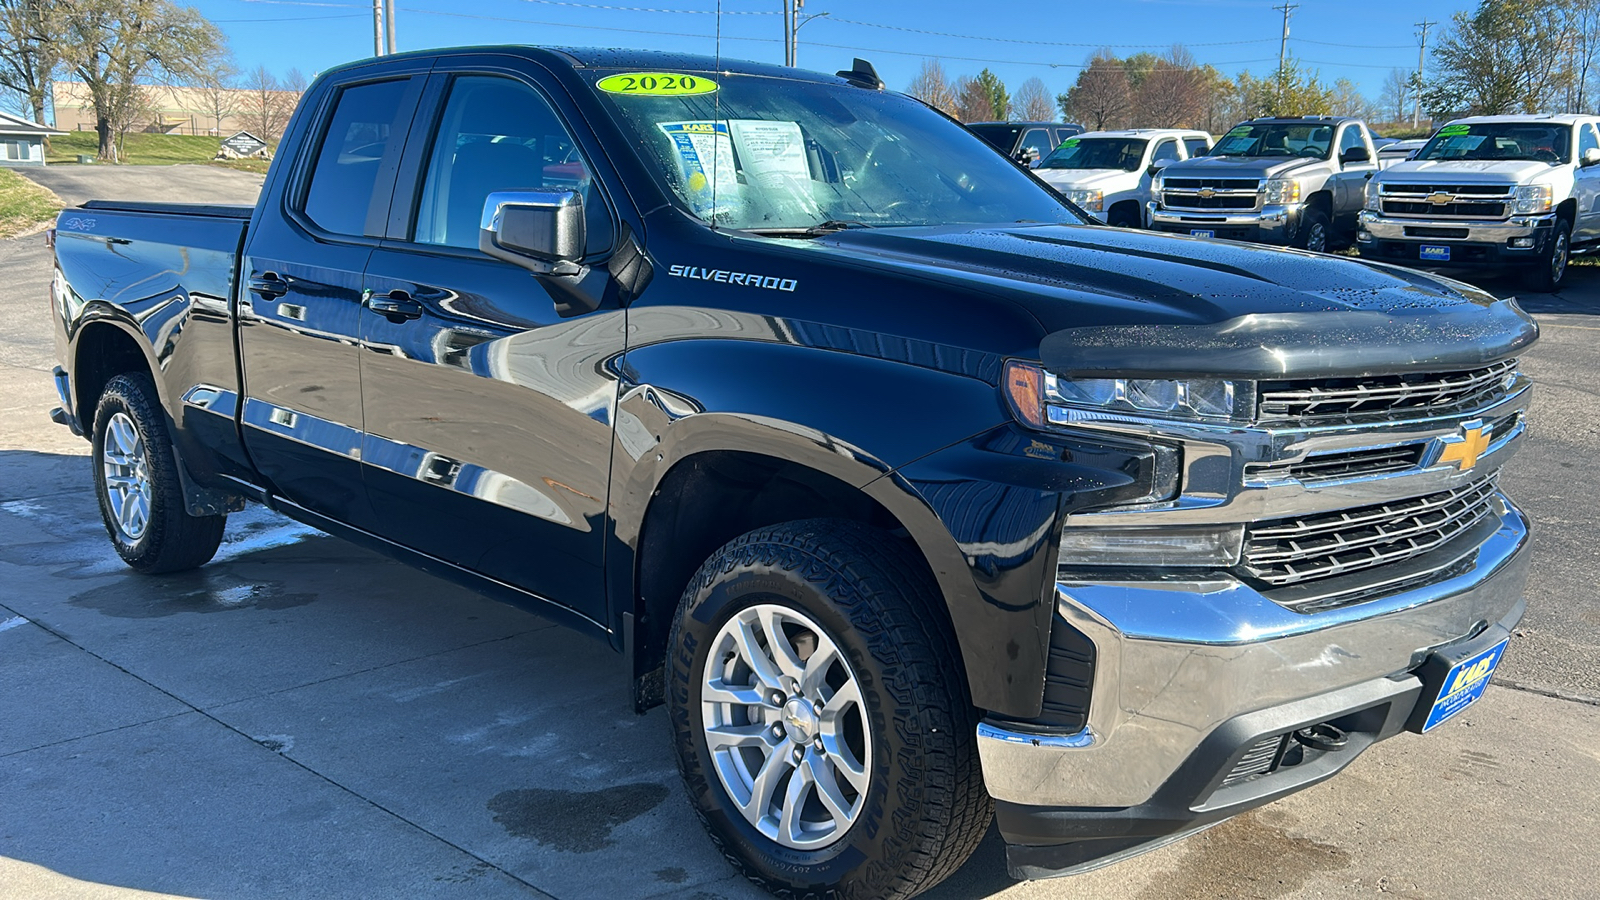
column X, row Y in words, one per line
column 1433, row 253
column 1453, row 679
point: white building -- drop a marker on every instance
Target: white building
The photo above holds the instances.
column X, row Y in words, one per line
column 22, row 141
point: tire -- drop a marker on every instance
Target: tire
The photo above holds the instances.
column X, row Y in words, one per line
column 136, row 482
column 1316, row 232
column 1550, row 272
column 828, row 585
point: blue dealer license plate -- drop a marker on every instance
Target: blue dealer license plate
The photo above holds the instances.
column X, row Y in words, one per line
column 1464, row 684
column 1434, row 254
column 1200, row 233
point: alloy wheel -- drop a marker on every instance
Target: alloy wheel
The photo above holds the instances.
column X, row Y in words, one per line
column 127, row 477
column 786, row 727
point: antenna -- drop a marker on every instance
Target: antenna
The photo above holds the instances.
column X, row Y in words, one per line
column 716, row 119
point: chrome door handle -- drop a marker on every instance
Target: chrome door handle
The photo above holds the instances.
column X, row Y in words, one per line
column 396, row 306
column 269, row 286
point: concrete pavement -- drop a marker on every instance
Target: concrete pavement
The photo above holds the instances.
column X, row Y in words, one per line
column 302, row 718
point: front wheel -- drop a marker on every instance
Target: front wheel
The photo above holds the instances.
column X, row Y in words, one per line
column 136, row 480
column 1314, row 231
column 819, row 715
column 1550, row 271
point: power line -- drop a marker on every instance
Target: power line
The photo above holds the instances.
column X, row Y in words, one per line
column 978, row 37
column 651, row 9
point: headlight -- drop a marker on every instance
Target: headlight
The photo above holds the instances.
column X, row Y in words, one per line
column 1282, row 191
column 1091, row 200
column 1373, row 203
column 1534, row 198
column 1041, row 398
column 1159, row 183
column 1203, row 545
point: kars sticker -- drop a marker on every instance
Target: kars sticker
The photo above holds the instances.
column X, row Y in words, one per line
column 657, row 84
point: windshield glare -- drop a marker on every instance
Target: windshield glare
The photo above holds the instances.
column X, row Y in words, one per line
column 767, row 153
column 1500, row 140
column 1097, row 153
column 1272, row 139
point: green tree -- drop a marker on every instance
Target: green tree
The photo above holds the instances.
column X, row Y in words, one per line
column 117, row 46
column 994, row 89
column 1101, row 97
column 1289, row 92
column 1506, row 56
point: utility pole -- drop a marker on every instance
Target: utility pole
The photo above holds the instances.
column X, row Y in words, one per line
column 788, row 32
column 388, row 25
column 1283, row 48
column 377, row 27
column 1416, row 90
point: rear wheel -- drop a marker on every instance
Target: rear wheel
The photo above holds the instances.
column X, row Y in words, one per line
column 1550, row 271
column 136, row 480
column 819, row 715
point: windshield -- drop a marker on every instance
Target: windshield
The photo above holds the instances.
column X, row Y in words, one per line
column 1538, row 141
column 760, row 153
column 1097, row 153
column 1002, row 136
column 1276, row 139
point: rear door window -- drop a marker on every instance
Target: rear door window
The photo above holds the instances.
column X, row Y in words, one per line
column 1167, row 149
column 1036, row 139
column 1196, row 146
column 1587, row 141
column 361, row 133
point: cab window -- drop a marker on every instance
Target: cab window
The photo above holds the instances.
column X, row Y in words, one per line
column 1587, row 141
column 1036, row 139
column 358, row 135
column 1167, row 149
column 496, row 134
column 1197, row 146
column 1351, row 140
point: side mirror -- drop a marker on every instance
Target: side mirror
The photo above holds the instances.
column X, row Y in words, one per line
column 541, row 231
column 1028, row 156
column 1591, row 157
column 1355, row 155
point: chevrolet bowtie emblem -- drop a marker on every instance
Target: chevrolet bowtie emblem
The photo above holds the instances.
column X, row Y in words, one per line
column 1466, row 448
column 1440, row 198
column 1206, row 193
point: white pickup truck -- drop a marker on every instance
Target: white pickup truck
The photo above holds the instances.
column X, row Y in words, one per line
column 1520, row 191
column 1108, row 173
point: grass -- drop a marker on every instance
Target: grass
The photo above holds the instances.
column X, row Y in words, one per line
column 150, row 150
column 24, row 204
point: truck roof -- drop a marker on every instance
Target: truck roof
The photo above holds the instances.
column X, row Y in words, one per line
column 1558, row 118
column 620, row 58
column 1147, row 133
column 1319, row 120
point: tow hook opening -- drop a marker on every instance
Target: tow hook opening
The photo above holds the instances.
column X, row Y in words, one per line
column 1323, row 737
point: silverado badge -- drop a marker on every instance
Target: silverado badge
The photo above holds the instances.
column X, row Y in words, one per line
column 1466, row 448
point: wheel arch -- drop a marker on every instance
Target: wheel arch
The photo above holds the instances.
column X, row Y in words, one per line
column 104, row 347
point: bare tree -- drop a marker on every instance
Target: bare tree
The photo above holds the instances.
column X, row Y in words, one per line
column 217, row 91
column 295, row 81
column 1396, row 94
column 933, row 87
column 1100, row 98
column 115, row 46
column 1347, row 100
column 1032, row 101
column 1172, row 92
column 973, row 102
column 30, row 51
column 1583, row 30
column 264, row 104
column 1506, row 56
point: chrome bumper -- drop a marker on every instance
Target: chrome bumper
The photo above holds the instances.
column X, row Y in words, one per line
column 1176, row 660
column 1275, row 224
column 1386, row 228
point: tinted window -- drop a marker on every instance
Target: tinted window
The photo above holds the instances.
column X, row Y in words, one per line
column 352, row 150
column 499, row 135
column 1036, row 139
column 1065, row 131
column 1167, row 149
column 1002, row 137
column 1197, row 146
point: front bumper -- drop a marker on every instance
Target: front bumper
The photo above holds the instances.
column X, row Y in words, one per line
column 1190, row 678
column 1514, row 241
column 1268, row 225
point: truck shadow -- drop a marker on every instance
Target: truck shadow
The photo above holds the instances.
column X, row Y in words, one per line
column 1579, row 296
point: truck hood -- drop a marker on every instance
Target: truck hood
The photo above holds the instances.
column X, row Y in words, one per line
column 1129, row 301
column 1239, row 166
column 1083, row 179
column 1502, row 171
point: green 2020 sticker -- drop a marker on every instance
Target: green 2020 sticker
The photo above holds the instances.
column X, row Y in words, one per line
column 657, row 84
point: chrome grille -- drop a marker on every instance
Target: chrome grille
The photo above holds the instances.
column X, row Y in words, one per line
column 1466, row 201
column 1335, row 466
column 1290, row 551
column 1383, row 396
column 1210, row 194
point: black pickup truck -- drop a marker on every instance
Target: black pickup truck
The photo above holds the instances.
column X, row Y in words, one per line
column 918, row 498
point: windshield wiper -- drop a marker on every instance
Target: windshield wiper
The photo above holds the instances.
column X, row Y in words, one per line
column 817, row 230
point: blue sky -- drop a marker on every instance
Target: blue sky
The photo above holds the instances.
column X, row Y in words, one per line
column 1356, row 39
